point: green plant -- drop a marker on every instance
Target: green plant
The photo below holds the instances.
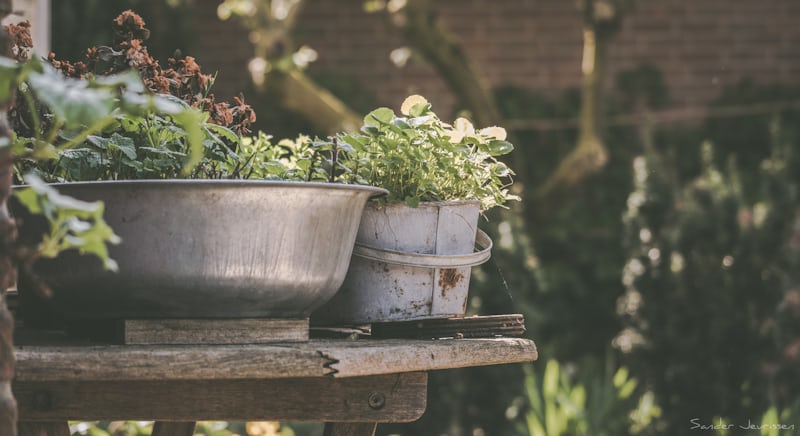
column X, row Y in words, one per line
column 300, row 159
column 601, row 405
column 161, row 142
column 417, row 157
column 67, row 113
column 712, row 271
column 74, row 224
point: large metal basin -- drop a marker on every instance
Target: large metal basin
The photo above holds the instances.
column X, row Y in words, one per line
column 208, row 249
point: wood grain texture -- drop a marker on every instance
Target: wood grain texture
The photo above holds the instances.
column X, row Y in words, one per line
column 350, row 429
column 179, row 428
column 359, row 358
column 174, row 362
column 468, row 327
column 43, row 428
column 317, row 358
column 385, row 398
column 213, row 331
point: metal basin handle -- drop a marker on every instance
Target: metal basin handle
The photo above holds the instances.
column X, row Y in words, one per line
column 482, row 240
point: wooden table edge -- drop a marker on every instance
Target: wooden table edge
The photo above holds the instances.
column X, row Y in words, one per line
column 316, row 358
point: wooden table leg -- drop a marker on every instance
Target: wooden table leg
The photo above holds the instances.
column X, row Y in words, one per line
column 43, row 428
column 170, row 428
column 350, row 429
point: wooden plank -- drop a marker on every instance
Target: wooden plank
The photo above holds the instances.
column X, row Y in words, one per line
column 176, row 362
column 213, row 331
column 316, row 358
column 350, row 429
column 359, row 358
column 180, row 428
column 385, row 398
column 43, row 428
column 469, row 327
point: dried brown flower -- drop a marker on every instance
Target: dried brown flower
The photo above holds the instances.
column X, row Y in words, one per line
column 21, row 41
column 183, row 78
column 129, row 26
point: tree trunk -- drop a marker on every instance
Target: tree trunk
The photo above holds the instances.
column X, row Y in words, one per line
column 8, row 233
column 590, row 155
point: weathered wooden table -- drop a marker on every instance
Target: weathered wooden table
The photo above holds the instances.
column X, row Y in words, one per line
column 352, row 385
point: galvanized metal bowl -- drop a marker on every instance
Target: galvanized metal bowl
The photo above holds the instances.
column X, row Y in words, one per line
column 208, row 249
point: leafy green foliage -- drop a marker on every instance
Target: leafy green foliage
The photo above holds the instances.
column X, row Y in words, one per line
column 710, row 281
column 74, row 224
column 62, row 113
column 417, row 157
column 300, row 159
column 604, row 405
column 151, row 146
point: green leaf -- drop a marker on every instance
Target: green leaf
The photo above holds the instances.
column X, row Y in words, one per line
column 499, row 148
column 125, row 145
column 190, row 121
column 223, row 131
column 29, row 198
column 9, row 71
column 620, row 377
column 401, row 124
column 381, row 115
column 627, row 389
column 370, row 130
column 551, row 377
column 420, row 109
column 71, row 100
column 98, row 141
column 74, row 224
column 129, row 80
column 168, row 104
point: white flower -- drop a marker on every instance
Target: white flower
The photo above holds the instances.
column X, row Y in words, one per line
column 454, row 136
column 495, row 132
column 410, row 102
column 461, row 128
column 464, row 126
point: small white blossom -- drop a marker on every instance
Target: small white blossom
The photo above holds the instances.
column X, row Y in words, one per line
column 461, row 128
column 495, row 132
column 410, row 102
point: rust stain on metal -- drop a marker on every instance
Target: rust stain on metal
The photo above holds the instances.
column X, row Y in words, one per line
column 449, row 278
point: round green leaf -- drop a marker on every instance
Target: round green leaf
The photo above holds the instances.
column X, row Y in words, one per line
column 381, row 115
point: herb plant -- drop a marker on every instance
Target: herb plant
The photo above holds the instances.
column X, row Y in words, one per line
column 300, row 160
column 417, row 157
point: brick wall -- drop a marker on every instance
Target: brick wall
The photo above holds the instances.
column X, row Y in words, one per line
column 699, row 45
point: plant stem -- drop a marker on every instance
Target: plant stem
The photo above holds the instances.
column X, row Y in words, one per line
column 334, row 159
column 37, row 124
column 53, row 134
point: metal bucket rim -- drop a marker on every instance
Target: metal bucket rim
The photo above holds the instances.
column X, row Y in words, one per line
column 423, row 204
column 393, row 257
column 373, row 190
